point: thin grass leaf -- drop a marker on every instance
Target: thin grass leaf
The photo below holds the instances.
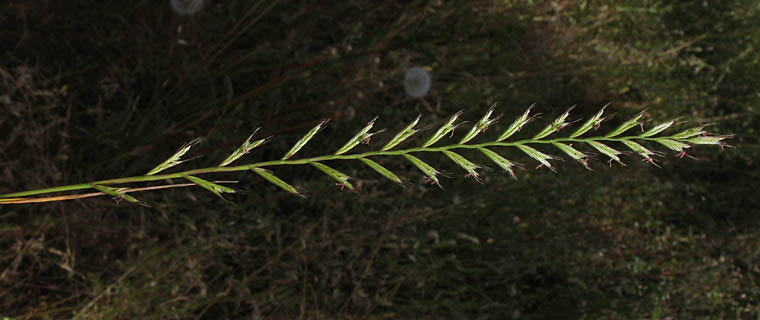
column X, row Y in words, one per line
column 516, row 126
column 174, row 159
column 216, row 189
column 592, row 122
column 362, row 136
column 499, row 161
column 402, row 135
column 443, row 130
column 244, row 148
column 381, row 170
column 335, row 174
column 538, row 156
column 461, row 161
column 302, row 142
column 612, row 153
column 623, row 127
column 555, row 126
column 674, row 145
column 117, row 193
column 266, row 174
column 429, row 171
column 657, row 129
column 581, row 157
column 481, row 126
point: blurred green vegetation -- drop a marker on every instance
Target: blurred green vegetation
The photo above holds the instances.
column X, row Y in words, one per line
column 94, row 90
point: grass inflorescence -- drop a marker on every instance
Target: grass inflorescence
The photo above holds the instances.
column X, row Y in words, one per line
column 111, row 89
column 678, row 142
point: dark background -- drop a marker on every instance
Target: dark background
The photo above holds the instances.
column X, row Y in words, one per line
column 92, row 90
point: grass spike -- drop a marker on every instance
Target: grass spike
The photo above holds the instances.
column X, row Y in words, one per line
column 623, row 127
column 216, row 189
column 174, row 159
column 428, row 170
column 362, row 136
column 519, row 123
column 538, row 156
column 678, row 142
column 555, row 126
column 467, row 165
column 709, row 140
column 581, row 157
column 267, row 175
column 244, row 148
column 305, row 139
column 641, row 150
column 674, row 145
column 593, row 122
column 118, row 194
column 500, row 161
column 445, row 129
column 657, row 129
column 402, row 135
column 481, row 125
column 691, row 132
column 381, row 170
column 610, row 152
column 335, row 174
